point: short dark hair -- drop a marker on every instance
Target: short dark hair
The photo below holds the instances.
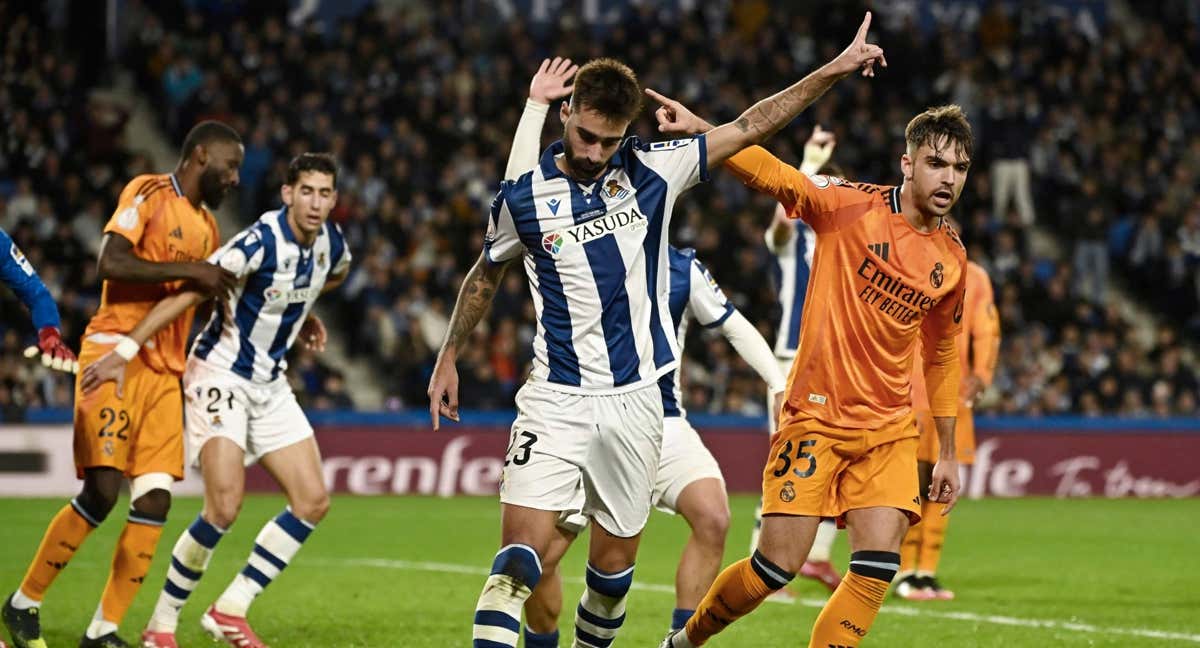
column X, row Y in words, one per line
column 608, row 87
column 319, row 162
column 947, row 121
column 208, row 131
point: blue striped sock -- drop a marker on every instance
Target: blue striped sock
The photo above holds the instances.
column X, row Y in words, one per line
column 535, row 640
column 516, row 570
column 601, row 610
column 189, row 559
column 679, row 618
column 275, row 546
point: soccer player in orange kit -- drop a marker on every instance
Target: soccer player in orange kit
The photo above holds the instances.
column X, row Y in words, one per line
column 887, row 271
column 154, row 245
column 978, row 348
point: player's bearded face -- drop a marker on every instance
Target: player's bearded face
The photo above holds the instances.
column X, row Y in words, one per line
column 589, row 141
column 938, row 173
column 220, row 172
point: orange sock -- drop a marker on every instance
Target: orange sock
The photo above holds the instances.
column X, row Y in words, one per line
column 933, row 534
column 910, row 548
column 736, row 592
column 131, row 562
column 849, row 613
column 66, row 533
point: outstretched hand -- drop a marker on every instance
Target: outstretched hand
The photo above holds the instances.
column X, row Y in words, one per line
column 552, row 80
column 443, row 390
column 860, row 54
column 818, row 149
column 674, row 118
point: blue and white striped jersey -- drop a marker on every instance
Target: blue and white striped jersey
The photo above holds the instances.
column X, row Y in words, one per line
column 792, row 264
column 250, row 332
column 596, row 258
column 694, row 295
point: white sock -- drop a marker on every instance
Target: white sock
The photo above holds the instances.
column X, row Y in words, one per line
column 189, row 559
column 601, row 611
column 822, row 545
column 99, row 627
column 757, row 531
column 516, row 570
column 274, row 548
column 22, row 602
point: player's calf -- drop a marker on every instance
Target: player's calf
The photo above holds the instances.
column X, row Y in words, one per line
column 601, row 610
column 189, row 560
column 848, row 615
column 516, row 570
column 274, row 547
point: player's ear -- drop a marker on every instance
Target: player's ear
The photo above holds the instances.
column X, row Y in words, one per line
column 201, row 155
column 285, row 192
column 564, row 112
column 906, row 167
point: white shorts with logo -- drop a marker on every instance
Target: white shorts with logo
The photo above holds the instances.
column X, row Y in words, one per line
column 258, row 418
column 684, row 460
column 608, row 443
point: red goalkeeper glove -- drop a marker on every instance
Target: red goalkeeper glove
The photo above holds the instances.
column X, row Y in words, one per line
column 53, row 350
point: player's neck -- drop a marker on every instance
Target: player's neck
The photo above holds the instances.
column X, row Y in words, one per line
column 189, row 183
column 302, row 239
column 920, row 221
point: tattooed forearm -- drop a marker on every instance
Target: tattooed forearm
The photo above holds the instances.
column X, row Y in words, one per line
column 474, row 299
column 765, row 118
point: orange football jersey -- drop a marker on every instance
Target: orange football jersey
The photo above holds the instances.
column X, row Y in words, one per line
column 979, row 341
column 163, row 226
column 877, row 284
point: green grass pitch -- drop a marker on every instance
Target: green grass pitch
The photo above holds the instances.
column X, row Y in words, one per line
column 405, row 572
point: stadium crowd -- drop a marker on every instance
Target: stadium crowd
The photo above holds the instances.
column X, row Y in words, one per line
column 1076, row 131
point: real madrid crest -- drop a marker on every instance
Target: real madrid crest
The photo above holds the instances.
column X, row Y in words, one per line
column 787, row 493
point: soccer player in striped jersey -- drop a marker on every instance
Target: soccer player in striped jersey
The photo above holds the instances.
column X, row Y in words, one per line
column 887, row 271
column 791, row 243
column 240, row 407
column 18, row 274
column 689, row 481
column 590, row 223
column 154, row 245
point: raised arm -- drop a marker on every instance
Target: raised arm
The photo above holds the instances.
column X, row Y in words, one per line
column 550, row 83
column 766, row 117
column 817, row 151
column 18, row 274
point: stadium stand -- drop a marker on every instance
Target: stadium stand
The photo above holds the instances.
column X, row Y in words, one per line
column 1098, row 148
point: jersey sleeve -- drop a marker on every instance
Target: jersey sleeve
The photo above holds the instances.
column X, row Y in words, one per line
column 339, row 252
column 18, row 274
column 706, row 300
column 501, row 242
column 523, row 155
column 826, row 203
column 133, row 210
column 985, row 332
column 243, row 254
column 682, row 163
column 939, row 333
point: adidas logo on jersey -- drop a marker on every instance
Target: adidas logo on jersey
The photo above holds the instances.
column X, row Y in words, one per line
column 177, row 233
column 880, row 249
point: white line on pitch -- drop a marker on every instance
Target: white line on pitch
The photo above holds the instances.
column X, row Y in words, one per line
column 1049, row 624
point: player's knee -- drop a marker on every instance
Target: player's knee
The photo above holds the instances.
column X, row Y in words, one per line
column 101, row 487
column 155, row 504
column 712, row 525
column 312, row 508
column 222, row 508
